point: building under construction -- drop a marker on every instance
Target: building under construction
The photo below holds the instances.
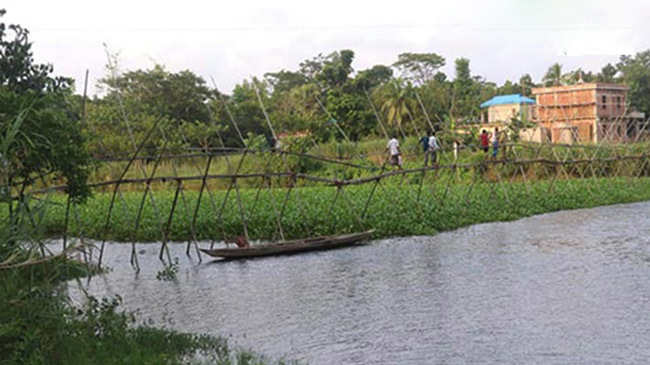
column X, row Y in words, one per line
column 585, row 113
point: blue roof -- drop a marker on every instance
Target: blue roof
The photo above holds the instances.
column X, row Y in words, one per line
column 508, row 99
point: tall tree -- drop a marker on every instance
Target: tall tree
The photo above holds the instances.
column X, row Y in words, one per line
column 466, row 94
column 527, row 84
column 372, row 77
column 180, row 96
column 337, row 68
column 607, row 74
column 635, row 72
column 509, row 87
column 553, row 76
column 283, row 81
column 39, row 135
column 396, row 103
column 419, row 68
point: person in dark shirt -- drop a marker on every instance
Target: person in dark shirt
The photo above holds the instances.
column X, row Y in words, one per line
column 424, row 141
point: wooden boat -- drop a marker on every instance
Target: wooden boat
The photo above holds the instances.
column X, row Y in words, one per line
column 290, row 247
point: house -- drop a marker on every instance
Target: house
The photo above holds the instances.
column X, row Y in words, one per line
column 503, row 108
column 585, row 113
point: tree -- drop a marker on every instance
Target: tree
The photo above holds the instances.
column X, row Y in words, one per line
column 135, row 100
column 311, row 68
column 607, row 74
column 553, row 76
column 351, row 113
column 372, row 77
column 284, row 81
column 395, row 104
column 527, row 84
column 467, row 91
column 246, row 109
column 181, row 97
column 577, row 76
column 419, row 68
column 509, row 87
column 18, row 72
column 337, row 68
column 435, row 98
column 635, row 72
column 329, row 71
column 34, row 117
column 440, row 77
column 463, row 73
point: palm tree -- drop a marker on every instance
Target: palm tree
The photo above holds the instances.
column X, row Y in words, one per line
column 553, row 76
column 395, row 105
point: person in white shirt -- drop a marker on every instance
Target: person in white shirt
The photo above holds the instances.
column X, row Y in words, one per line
column 495, row 142
column 433, row 150
column 393, row 148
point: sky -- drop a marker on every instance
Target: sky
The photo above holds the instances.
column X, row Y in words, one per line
column 230, row 41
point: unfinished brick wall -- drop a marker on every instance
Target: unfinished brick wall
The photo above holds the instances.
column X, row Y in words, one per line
column 610, row 103
column 581, row 109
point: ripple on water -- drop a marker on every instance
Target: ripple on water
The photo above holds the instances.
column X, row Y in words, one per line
column 568, row 287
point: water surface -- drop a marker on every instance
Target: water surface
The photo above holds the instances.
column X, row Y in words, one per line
column 563, row 288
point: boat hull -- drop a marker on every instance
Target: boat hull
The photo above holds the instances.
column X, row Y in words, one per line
column 290, row 247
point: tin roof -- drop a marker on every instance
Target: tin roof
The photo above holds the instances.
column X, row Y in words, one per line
column 507, row 99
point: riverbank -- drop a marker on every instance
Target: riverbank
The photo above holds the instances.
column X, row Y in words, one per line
column 394, row 210
column 39, row 325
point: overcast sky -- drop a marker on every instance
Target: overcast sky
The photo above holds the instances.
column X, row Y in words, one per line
column 234, row 40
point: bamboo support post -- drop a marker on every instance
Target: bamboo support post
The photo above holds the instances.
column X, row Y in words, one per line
column 164, row 247
column 116, row 189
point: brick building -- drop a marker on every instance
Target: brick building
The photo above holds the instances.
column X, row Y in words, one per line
column 586, row 112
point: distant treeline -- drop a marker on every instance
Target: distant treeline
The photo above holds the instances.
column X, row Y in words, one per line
column 325, row 95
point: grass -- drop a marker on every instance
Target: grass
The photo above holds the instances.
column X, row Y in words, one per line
column 370, row 154
column 443, row 205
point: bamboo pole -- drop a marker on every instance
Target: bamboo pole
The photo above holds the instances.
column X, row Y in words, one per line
column 167, row 228
column 134, row 254
column 116, row 189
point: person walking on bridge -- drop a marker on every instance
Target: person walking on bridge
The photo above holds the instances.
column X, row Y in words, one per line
column 485, row 141
column 424, row 141
column 433, row 149
column 395, row 154
column 495, row 142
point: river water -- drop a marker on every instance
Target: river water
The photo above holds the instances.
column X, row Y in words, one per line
column 563, row 288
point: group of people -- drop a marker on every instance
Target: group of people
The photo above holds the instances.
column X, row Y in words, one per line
column 430, row 147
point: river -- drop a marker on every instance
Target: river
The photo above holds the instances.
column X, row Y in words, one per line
column 563, row 288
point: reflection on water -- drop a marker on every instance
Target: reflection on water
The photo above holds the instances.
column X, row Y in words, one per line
column 569, row 287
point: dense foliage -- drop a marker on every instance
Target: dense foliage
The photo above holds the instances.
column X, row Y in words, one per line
column 38, row 132
column 325, row 97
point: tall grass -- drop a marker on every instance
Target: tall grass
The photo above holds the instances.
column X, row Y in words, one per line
column 370, row 156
